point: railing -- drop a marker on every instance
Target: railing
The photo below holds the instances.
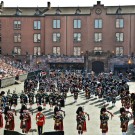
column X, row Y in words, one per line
column 66, row 60
column 4, row 82
column 23, row 77
column 99, row 53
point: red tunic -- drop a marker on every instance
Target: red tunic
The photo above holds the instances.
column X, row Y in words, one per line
column 40, row 118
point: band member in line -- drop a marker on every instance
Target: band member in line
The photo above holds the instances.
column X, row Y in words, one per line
column 14, row 101
column 104, row 120
column 25, row 118
column 9, row 119
column 81, row 120
column 51, row 100
column 124, row 120
column 44, row 99
column 87, row 92
column 23, row 98
column 38, row 98
column 3, row 100
column 75, row 91
column 40, row 119
column 58, row 121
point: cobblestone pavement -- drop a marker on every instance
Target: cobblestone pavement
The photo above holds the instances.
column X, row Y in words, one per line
column 91, row 106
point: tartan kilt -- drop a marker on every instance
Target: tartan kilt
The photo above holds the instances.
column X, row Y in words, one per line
column 58, row 126
column 104, row 127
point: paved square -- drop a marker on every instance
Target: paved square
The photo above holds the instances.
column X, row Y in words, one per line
column 91, row 106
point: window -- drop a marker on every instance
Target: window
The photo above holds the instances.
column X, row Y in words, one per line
column 98, row 37
column 56, row 50
column 56, row 37
column 119, row 23
column 97, row 49
column 98, row 23
column 18, row 13
column 77, row 37
column 58, row 11
column 77, row 51
column 78, row 11
column 38, row 11
column 119, row 37
column 37, row 38
column 17, row 50
column 37, row 50
column 77, row 24
column 56, row 24
column 119, row 51
column 17, row 37
column 37, row 25
column 17, row 25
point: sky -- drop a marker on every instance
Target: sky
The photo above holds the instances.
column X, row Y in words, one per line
column 64, row 3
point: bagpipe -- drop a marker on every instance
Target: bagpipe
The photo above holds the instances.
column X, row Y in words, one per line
column 87, row 115
column 44, row 101
column 124, row 125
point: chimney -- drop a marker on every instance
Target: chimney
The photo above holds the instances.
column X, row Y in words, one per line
column 49, row 5
column 98, row 2
column 2, row 4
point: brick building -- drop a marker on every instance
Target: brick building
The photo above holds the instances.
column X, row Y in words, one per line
column 71, row 31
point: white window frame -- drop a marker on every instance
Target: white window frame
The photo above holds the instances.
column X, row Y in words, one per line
column 56, row 37
column 77, row 51
column 98, row 24
column 37, row 38
column 77, row 24
column 37, row 25
column 56, row 23
column 119, row 51
column 119, row 23
column 17, row 37
column 17, row 50
column 17, row 25
column 56, row 50
column 98, row 37
column 37, row 50
column 119, row 36
column 77, row 37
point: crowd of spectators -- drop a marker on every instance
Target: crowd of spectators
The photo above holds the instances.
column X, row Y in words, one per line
column 10, row 68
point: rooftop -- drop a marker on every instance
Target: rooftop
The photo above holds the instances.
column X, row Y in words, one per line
column 42, row 11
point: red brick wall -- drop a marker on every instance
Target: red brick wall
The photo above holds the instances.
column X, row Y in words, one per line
column 87, row 30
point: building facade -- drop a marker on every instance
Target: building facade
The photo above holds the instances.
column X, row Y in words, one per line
column 69, row 31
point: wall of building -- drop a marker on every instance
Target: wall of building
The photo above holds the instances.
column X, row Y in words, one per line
column 67, row 42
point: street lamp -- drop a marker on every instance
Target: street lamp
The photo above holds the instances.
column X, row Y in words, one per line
column 129, row 63
column 82, row 53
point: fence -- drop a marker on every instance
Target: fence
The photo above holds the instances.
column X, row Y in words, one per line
column 7, row 82
column 22, row 77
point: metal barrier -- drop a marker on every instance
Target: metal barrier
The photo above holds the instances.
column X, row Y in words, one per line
column 7, row 82
column 31, row 75
column 22, row 77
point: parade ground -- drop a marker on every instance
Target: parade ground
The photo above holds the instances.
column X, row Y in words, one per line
column 91, row 106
